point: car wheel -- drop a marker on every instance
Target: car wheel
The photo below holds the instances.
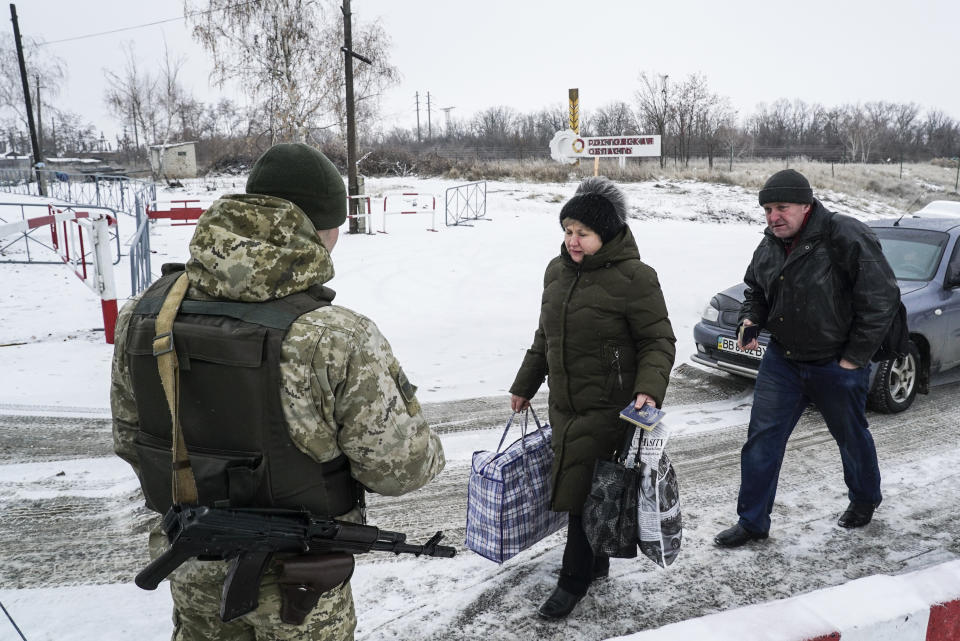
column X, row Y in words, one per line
column 895, row 385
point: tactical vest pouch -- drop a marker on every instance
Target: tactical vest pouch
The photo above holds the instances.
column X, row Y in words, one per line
column 224, row 478
column 304, row 579
column 232, row 418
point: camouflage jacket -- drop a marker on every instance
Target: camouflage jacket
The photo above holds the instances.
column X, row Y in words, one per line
column 343, row 390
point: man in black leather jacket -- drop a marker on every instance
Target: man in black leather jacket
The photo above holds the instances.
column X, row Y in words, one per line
column 820, row 285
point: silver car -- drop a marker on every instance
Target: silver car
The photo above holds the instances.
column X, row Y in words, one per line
column 924, row 253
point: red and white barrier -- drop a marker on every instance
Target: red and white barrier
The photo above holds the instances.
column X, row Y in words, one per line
column 366, row 216
column 185, row 213
column 77, row 235
column 919, row 606
column 410, row 203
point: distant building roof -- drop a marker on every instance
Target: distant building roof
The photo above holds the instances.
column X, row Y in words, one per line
column 74, row 160
column 173, row 144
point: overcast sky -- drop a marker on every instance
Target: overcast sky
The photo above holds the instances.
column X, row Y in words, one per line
column 526, row 54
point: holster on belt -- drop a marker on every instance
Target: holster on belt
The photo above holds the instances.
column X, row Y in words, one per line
column 304, row 579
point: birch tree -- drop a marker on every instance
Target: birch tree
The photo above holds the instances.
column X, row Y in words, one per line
column 285, row 55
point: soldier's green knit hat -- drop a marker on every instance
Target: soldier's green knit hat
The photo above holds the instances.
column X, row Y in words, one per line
column 304, row 176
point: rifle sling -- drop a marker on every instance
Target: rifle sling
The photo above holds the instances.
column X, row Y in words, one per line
column 184, row 486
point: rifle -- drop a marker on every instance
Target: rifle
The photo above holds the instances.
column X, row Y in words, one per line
column 248, row 538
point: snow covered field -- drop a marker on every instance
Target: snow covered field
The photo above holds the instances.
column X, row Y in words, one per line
column 459, row 307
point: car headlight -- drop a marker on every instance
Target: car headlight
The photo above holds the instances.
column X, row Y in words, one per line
column 710, row 313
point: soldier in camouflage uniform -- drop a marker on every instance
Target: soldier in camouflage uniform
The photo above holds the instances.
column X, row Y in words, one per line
column 341, row 388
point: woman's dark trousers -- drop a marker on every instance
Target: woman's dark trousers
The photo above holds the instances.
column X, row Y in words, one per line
column 580, row 565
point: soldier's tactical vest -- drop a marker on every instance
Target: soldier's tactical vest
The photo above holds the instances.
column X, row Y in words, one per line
column 230, row 410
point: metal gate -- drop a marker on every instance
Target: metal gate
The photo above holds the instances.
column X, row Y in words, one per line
column 465, row 203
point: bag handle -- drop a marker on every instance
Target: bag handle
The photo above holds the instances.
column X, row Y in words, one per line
column 528, row 485
column 624, row 451
column 523, row 427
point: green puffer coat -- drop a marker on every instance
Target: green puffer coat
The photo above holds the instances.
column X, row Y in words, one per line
column 604, row 337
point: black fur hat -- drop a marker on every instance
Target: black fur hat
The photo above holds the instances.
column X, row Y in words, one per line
column 599, row 205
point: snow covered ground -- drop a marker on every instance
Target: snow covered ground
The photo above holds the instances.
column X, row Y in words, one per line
column 459, row 306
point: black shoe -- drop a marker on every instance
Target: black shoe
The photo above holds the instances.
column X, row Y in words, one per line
column 736, row 536
column 857, row 514
column 559, row 604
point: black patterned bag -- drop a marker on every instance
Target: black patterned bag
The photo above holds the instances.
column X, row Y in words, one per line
column 610, row 513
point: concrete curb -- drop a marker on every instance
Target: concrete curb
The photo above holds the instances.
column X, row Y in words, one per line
column 919, row 606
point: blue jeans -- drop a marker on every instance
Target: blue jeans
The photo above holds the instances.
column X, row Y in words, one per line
column 784, row 389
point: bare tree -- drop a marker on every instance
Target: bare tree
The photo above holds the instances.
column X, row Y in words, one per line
column 496, row 124
column 613, row 119
column 551, row 120
column 171, row 98
column 48, row 68
column 853, row 128
column 369, row 80
column 715, row 125
column 286, row 55
column 879, row 116
column 690, row 100
column 904, row 116
column 131, row 96
column 653, row 101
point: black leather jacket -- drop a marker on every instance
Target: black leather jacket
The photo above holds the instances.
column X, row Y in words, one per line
column 833, row 297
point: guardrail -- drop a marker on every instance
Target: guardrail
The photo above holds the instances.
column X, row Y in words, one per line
column 411, row 203
column 82, row 241
column 118, row 194
column 188, row 215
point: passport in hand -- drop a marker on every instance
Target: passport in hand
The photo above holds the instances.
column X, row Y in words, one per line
column 747, row 333
column 646, row 417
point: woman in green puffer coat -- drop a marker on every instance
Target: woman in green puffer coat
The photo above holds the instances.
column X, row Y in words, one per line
column 604, row 341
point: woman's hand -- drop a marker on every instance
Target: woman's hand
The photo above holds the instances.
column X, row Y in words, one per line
column 644, row 399
column 519, row 403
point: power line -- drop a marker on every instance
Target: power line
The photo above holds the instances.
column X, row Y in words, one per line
column 141, row 26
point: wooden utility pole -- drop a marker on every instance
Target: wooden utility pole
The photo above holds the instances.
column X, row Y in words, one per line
column 37, row 160
column 429, row 128
column 416, row 96
column 353, row 186
column 39, row 118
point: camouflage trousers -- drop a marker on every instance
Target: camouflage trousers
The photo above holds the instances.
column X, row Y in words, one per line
column 196, row 605
column 197, row 586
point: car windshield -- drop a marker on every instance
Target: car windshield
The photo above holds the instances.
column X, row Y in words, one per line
column 912, row 253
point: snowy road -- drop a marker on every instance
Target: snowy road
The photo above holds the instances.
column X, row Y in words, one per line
column 917, row 526
column 71, row 516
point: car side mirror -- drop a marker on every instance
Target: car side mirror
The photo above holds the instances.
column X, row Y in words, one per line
column 952, row 278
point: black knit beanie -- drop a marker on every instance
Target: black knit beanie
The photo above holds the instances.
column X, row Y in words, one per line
column 599, row 205
column 304, row 176
column 787, row 186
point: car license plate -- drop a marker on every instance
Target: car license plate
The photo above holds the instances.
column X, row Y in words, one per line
column 725, row 344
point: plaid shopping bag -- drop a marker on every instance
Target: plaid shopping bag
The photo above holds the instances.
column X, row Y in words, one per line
column 508, row 495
